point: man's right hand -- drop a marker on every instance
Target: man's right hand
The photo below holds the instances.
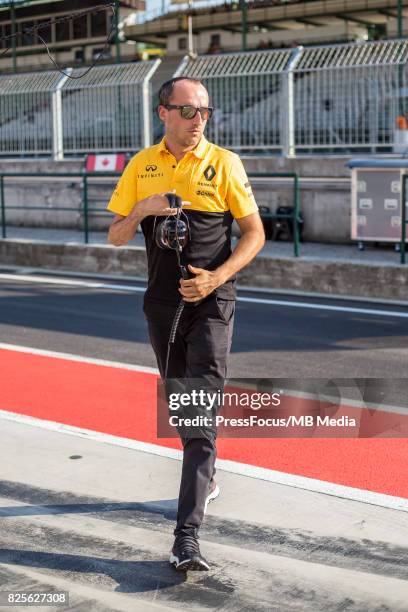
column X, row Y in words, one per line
column 123, row 229
column 157, row 205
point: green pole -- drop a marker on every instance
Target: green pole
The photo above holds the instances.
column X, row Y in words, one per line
column 403, row 217
column 296, row 209
column 3, row 207
column 399, row 18
column 117, row 41
column 244, row 10
column 85, row 199
column 13, row 31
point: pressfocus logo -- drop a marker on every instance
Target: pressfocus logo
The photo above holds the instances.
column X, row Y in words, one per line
column 284, row 407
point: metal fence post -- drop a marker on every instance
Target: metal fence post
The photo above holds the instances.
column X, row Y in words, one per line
column 57, row 132
column 296, row 209
column 399, row 18
column 116, row 29
column 147, row 105
column 181, row 67
column 3, row 207
column 287, row 116
column 85, row 207
column 13, row 32
column 403, row 216
column 244, row 13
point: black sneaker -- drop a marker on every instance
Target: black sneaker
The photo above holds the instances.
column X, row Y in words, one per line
column 213, row 493
column 185, row 554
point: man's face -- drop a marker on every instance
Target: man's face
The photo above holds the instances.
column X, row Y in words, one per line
column 185, row 132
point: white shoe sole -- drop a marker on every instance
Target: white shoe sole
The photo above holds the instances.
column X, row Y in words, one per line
column 188, row 564
column 212, row 496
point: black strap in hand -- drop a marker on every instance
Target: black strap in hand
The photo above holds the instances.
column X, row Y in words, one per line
column 174, row 200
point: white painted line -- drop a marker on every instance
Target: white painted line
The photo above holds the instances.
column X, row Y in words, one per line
column 313, row 484
column 70, row 283
column 58, row 273
column 72, row 357
column 368, row 311
column 90, row 434
column 322, row 396
column 252, row 300
column 298, row 294
column 234, row 467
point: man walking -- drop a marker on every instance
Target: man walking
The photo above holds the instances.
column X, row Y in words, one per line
column 214, row 188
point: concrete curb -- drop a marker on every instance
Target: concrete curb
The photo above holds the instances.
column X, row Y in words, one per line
column 330, row 277
column 311, row 275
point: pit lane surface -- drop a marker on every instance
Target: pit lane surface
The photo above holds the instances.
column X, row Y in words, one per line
column 96, row 520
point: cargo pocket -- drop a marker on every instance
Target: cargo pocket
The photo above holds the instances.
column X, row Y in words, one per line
column 226, row 309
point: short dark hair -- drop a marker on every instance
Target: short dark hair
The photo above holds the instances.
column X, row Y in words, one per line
column 166, row 89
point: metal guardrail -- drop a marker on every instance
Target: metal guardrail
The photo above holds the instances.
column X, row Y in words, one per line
column 86, row 209
column 82, row 176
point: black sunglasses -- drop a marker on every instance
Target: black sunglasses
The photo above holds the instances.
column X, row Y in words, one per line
column 189, row 112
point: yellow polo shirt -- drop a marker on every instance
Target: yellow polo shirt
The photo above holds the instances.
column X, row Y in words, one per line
column 213, row 179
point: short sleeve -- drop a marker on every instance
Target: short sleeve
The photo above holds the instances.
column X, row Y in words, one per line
column 124, row 196
column 239, row 197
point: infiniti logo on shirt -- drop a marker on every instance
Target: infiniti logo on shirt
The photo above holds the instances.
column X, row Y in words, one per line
column 151, row 168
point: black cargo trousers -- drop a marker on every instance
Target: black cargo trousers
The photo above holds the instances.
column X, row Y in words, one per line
column 200, row 351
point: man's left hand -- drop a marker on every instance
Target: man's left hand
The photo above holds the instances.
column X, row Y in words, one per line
column 203, row 284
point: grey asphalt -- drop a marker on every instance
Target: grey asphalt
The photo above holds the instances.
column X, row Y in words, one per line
column 96, row 519
column 269, row 340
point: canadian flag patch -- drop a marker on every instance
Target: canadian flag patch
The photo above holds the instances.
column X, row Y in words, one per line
column 105, row 163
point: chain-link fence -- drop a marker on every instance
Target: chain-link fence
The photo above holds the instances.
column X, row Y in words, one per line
column 334, row 97
column 47, row 113
column 26, row 121
column 340, row 98
column 246, row 91
column 349, row 96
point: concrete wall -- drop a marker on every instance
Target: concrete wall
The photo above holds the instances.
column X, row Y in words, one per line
column 307, row 165
column 325, row 194
column 387, row 281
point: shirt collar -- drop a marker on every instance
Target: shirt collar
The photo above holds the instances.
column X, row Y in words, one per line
column 162, row 146
column 199, row 150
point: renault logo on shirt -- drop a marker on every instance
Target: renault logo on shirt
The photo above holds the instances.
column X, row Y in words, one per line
column 209, row 173
column 151, row 168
